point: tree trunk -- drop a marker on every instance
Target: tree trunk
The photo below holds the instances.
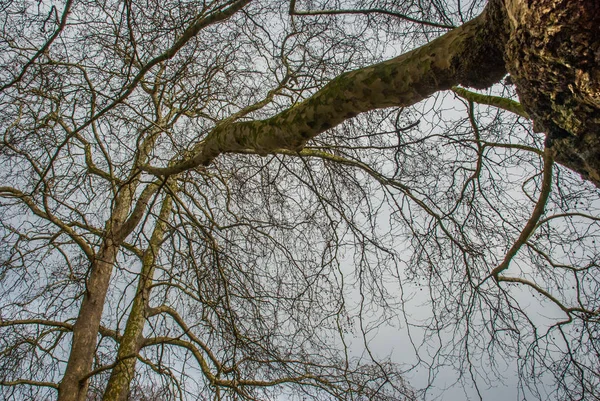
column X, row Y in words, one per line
column 123, row 372
column 553, row 55
column 74, row 384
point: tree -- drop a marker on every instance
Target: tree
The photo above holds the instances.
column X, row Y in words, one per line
column 211, row 199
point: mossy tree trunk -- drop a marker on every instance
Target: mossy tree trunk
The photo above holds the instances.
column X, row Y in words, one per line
column 126, row 214
column 123, row 372
column 553, row 54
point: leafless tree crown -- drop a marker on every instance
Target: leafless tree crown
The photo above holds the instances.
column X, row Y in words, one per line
column 235, row 200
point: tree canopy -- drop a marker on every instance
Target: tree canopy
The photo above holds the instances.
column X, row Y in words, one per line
column 292, row 200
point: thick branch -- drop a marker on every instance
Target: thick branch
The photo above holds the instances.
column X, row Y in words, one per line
column 138, row 211
column 465, row 56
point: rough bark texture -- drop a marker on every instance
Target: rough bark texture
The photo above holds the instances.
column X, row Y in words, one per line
column 553, row 55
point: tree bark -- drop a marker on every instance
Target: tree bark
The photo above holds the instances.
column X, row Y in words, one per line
column 74, row 384
column 469, row 55
column 123, row 372
column 550, row 47
column 553, row 55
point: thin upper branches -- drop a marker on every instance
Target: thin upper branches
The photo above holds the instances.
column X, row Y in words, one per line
column 367, row 11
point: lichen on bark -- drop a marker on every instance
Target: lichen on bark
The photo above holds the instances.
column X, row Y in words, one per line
column 553, row 55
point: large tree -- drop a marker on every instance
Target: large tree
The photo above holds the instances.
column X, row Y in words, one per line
column 215, row 200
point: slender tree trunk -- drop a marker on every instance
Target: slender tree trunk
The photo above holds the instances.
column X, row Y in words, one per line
column 74, row 384
column 131, row 342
